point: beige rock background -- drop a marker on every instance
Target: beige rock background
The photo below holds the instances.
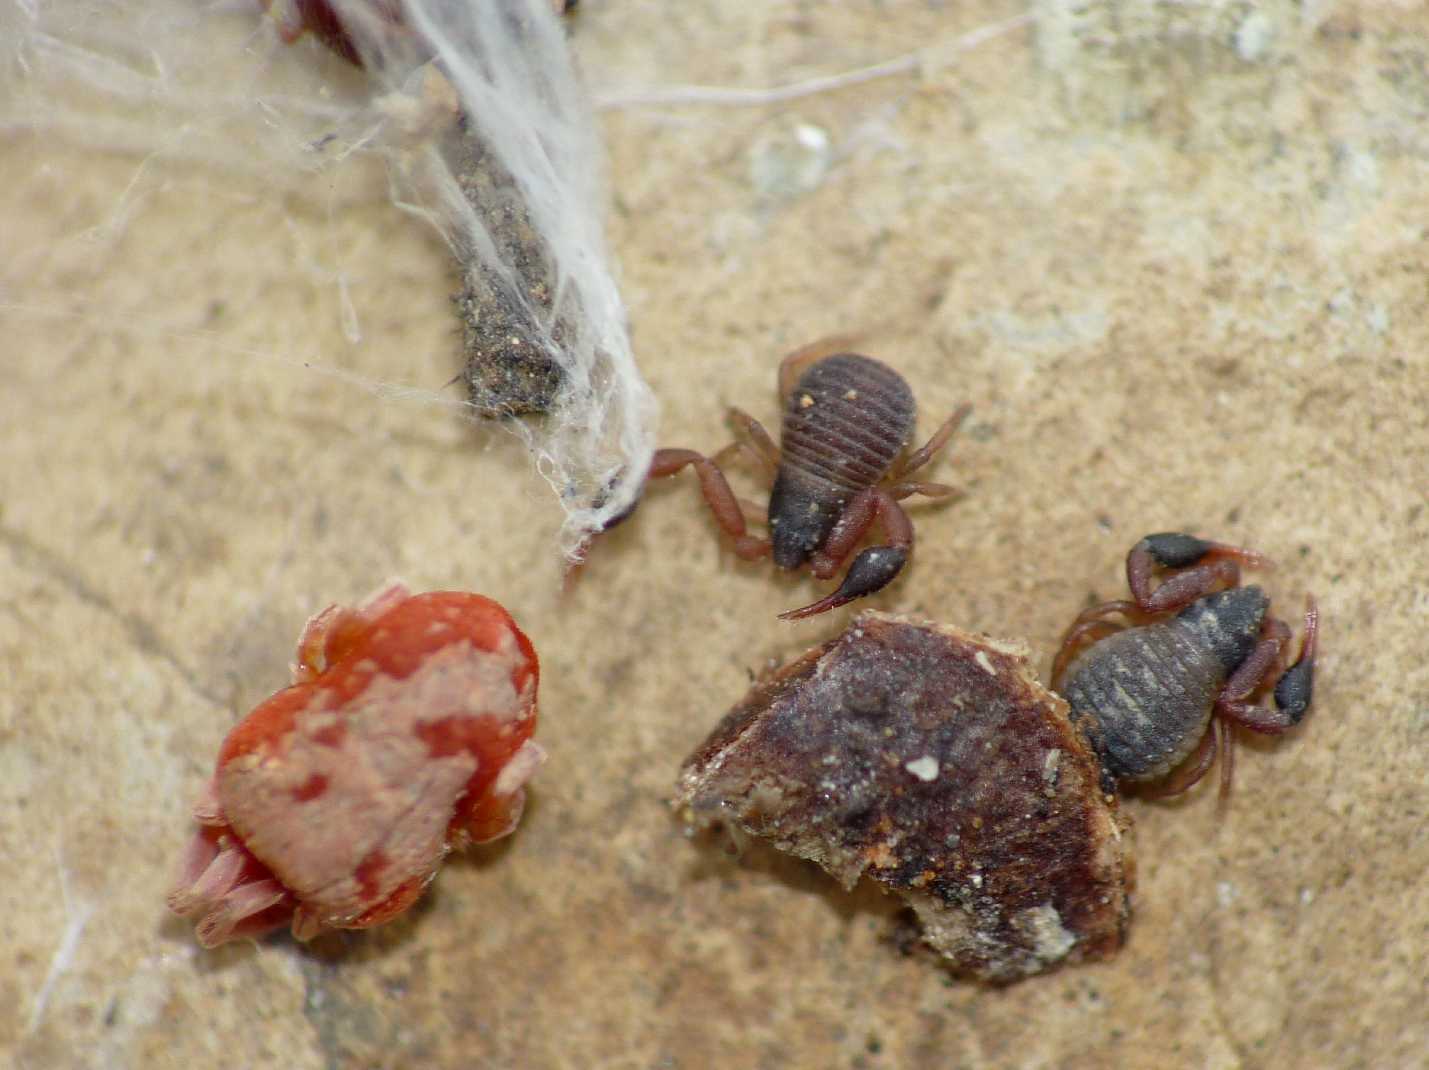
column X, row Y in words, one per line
column 1173, row 253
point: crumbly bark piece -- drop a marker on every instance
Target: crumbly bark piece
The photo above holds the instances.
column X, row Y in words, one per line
column 931, row 760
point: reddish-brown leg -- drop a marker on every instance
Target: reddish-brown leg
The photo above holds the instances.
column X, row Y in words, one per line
column 716, row 491
column 1227, row 738
column 1237, row 699
column 718, row 495
column 742, row 450
column 1267, row 659
column 759, row 448
column 1234, row 706
column 872, row 569
column 756, row 440
column 1180, row 590
column 1200, row 567
column 1248, row 678
column 921, row 456
column 899, row 491
column 853, row 524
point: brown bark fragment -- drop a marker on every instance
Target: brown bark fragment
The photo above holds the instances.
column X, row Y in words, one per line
column 932, row 761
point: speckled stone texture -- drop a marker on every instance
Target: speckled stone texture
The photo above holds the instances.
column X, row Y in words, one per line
column 1173, row 254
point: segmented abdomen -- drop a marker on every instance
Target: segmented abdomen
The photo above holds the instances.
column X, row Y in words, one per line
column 846, row 421
column 1148, row 692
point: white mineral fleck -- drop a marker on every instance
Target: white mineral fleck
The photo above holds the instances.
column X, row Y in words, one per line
column 924, row 768
column 1051, row 939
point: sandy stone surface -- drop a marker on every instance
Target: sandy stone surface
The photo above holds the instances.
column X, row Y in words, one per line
column 1174, row 255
